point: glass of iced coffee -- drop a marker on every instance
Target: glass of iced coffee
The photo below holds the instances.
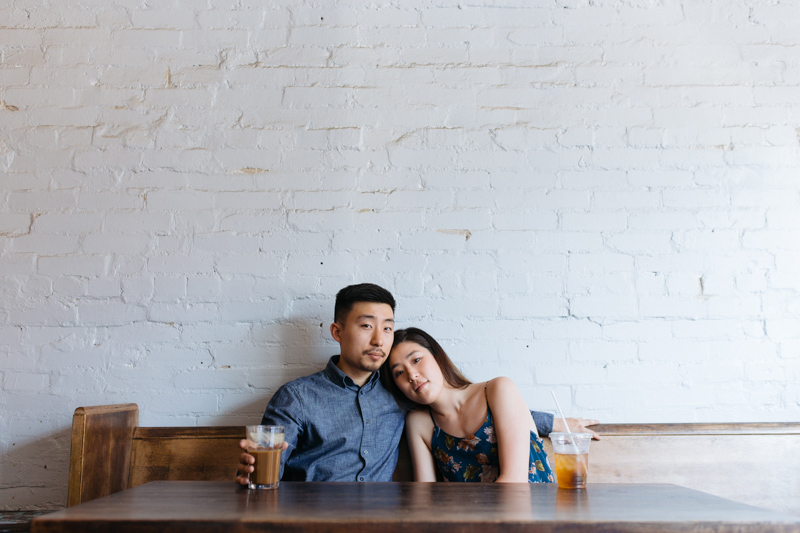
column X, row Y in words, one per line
column 572, row 459
column 265, row 445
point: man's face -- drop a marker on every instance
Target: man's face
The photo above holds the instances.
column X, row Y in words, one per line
column 365, row 339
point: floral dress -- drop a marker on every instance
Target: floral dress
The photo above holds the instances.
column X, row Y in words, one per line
column 476, row 459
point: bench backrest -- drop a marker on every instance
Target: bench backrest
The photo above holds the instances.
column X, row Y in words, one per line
column 110, row 452
column 185, row 453
column 749, row 463
column 752, row 463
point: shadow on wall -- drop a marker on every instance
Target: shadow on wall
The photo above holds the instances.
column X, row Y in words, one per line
column 304, row 347
column 246, row 415
column 35, row 474
column 292, row 349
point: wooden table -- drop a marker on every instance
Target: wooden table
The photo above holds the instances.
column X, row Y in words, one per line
column 208, row 506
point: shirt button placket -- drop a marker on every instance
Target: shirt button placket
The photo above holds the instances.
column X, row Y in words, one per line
column 366, row 437
column 363, row 407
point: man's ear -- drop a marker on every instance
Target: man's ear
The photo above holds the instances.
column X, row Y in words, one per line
column 336, row 332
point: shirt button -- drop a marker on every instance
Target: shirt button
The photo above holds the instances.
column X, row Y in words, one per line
column 361, row 478
column 367, row 420
column 366, row 452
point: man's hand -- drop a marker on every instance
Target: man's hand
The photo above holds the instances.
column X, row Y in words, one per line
column 576, row 425
column 246, row 461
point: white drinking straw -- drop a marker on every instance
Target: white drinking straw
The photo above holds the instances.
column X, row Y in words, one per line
column 572, row 439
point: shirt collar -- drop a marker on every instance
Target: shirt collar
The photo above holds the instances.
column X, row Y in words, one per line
column 341, row 379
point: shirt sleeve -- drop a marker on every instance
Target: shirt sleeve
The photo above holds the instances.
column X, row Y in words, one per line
column 286, row 409
column 543, row 421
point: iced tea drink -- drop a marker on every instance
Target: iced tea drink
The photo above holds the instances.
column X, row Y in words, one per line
column 265, row 446
column 572, row 459
column 572, row 470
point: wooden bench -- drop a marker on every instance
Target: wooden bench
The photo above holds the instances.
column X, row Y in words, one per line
column 110, row 452
column 749, row 463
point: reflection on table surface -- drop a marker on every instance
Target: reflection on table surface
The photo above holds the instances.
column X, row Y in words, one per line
column 382, row 507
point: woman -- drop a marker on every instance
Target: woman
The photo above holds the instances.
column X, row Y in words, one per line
column 469, row 431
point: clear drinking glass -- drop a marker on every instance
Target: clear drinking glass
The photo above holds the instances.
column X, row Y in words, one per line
column 265, row 445
column 572, row 458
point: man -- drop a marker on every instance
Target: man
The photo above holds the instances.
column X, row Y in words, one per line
column 341, row 423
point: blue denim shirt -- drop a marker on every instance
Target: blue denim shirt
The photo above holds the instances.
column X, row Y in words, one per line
column 544, row 422
column 336, row 430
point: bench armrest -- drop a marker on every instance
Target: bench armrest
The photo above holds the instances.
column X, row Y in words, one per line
column 100, row 455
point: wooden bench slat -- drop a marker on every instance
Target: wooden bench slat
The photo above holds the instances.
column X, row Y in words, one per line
column 191, row 432
column 744, row 428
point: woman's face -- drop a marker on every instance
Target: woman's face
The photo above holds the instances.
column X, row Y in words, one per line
column 415, row 372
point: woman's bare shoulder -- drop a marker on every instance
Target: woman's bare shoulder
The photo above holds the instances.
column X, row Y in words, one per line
column 419, row 426
column 502, row 391
column 418, row 416
column 506, row 400
column 500, row 384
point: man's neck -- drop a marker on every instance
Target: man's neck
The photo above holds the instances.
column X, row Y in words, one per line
column 359, row 378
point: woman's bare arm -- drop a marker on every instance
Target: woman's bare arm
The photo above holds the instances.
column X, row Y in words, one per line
column 512, row 428
column 419, row 429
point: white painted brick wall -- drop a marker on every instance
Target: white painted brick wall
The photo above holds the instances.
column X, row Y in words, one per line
column 596, row 198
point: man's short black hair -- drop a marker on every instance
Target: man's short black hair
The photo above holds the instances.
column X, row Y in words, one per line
column 363, row 292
